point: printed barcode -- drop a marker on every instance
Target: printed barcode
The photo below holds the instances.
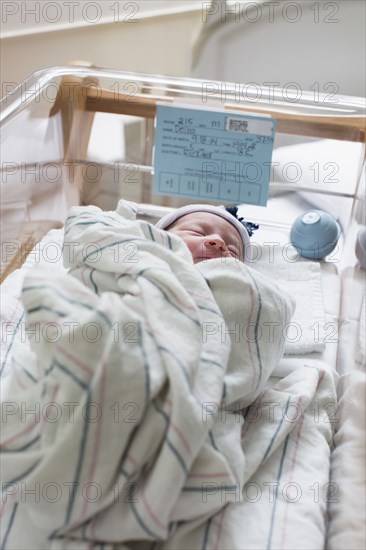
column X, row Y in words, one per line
column 237, row 125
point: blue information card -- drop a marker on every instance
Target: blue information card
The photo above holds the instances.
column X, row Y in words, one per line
column 213, row 155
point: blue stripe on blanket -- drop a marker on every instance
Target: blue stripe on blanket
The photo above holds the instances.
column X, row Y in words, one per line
column 92, row 281
column 215, row 363
column 86, row 537
column 99, row 222
column 57, row 292
column 151, row 233
column 153, row 230
column 69, row 373
column 143, row 525
column 169, row 241
column 229, row 488
column 126, row 474
column 177, row 454
column 181, row 365
column 269, row 543
column 140, row 471
column 120, row 221
column 9, row 526
column 208, row 283
column 30, row 376
column 114, row 243
column 141, row 274
column 11, row 343
column 164, row 415
column 6, row 484
column 46, row 308
column 224, row 391
column 146, row 368
column 27, row 445
column 84, row 528
column 256, row 330
column 205, row 534
column 69, row 300
column 213, row 443
column 117, row 218
column 312, row 367
column 70, row 228
column 82, row 449
column 170, row 444
column 215, row 312
column 276, row 432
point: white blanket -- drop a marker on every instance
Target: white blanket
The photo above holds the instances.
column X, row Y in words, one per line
column 286, row 495
column 117, row 427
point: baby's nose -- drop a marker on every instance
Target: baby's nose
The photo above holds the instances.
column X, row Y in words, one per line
column 216, row 242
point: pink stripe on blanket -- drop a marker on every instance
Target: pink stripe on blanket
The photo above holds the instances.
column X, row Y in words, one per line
column 178, row 302
column 19, row 382
column 98, row 241
column 177, row 430
column 181, row 436
column 75, row 360
column 131, row 459
column 151, row 513
column 19, row 434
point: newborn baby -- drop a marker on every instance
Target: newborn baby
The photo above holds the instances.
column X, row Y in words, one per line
column 209, row 232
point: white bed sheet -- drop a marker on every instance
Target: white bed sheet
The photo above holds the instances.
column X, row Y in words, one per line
column 347, row 515
column 276, row 249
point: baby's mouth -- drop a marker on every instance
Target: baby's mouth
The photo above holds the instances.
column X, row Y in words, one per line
column 211, row 256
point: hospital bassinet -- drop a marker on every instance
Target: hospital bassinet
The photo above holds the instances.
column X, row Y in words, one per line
column 76, row 135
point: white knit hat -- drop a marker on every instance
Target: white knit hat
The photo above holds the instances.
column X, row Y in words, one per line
column 169, row 219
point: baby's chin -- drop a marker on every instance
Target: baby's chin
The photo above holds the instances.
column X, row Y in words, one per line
column 204, row 258
column 199, row 259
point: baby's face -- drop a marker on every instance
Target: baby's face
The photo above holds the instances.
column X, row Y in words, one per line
column 208, row 236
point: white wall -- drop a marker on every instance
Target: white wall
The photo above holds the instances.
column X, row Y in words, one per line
column 319, row 46
column 142, row 36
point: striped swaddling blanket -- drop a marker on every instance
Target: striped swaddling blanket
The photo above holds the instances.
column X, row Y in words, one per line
column 129, row 425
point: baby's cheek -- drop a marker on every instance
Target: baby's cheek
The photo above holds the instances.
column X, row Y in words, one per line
column 192, row 245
